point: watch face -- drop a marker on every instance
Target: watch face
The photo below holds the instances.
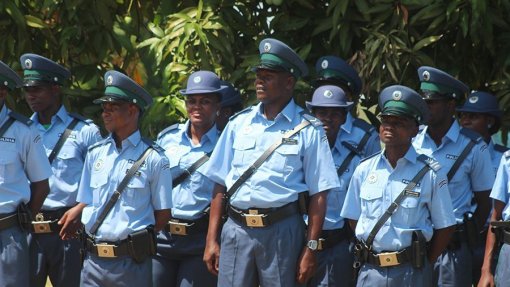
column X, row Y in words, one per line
column 312, row 244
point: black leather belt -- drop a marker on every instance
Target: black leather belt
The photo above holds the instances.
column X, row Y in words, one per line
column 388, row 259
column 330, row 238
column 506, row 236
column 184, row 227
column 46, row 221
column 107, row 249
column 8, row 220
column 262, row 217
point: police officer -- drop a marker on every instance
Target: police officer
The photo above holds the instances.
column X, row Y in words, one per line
column 464, row 156
column 390, row 245
column 66, row 138
column 333, row 70
column 231, row 103
column 263, row 240
column 329, row 104
column 24, row 173
column 481, row 113
column 124, row 192
column 500, row 211
column 188, row 146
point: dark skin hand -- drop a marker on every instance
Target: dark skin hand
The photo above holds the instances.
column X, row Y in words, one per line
column 212, row 248
column 38, row 192
column 439, row 241
column 71, row 222
column 307, row 262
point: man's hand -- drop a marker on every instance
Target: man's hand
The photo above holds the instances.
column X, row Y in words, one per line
column 71, row 222
column 486, row 280
column 307, row 264
column 212, row 256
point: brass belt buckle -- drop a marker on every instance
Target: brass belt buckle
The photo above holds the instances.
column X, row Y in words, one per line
column 320, row 243
column 40, row 225
column 178, row 228
column 388, row 259
column 253, row 219
column 105, row 250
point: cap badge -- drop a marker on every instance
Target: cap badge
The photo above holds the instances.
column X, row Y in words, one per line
column 426, row 76
column 267, row 47
column 6, row 83
column 372, row 178
column 28, row 64
column 473, row 99
column 397, row 95
column 324, row 64
column 197, row 79
column 55, row 79
column 109, row 80
column 328, row 94
column 134, row 101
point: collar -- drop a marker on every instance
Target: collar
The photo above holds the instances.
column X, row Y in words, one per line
column 61, row 114
column 411, row 156
column 287, row 113
column 3, row 113
column 133, row 140
column 211, row 135
column 347, row 126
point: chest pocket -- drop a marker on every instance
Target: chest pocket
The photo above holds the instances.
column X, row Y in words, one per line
column 69, row 159
column 8, row 166
column 406, row 213
column 98, row 181
column 244, row 150
column 285, row 159
column 136, row 189
column 371, row 201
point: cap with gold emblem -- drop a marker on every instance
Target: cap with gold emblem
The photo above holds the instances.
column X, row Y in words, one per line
column 119, row 87
column 9, row 78
column 38, row 70
column 276, row 55
column 436, row 85
column 403, row 101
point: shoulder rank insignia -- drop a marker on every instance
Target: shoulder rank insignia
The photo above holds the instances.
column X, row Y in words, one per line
column 20, row 118
column 370, row 156
column 312, row 120
column 167, row 130
column 241, row 112
column 80, row 118
column 433, row 164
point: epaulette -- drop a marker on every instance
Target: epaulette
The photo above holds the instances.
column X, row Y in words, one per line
column 433, row 164
column 370, row 156
column 20, row 118
column 168, row 129
column 312, row 120
column 81, row 118
column 241, row 112
column 471, row 134
column 507, row 154
column 500, row 148
column 153, row 145
column 97, row 144
column 363, row 125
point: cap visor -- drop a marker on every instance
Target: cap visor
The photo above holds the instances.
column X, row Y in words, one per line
column 33, row 83
column 108, row 99
column 202, row 91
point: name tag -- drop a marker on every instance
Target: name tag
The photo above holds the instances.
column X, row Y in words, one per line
column 412, row 193
column 289, row 141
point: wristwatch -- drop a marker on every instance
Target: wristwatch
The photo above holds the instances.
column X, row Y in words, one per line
column 312, row 245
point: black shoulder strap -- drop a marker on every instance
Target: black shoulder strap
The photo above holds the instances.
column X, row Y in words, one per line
column 500, row 148
column 62, row 139
column 80, row 118
column 247, row 173
column 115, row 196
column 474, row 138
column 190, row 170
column 367, row 129
column 353, row 152
column 6, row 125
column 408, row 190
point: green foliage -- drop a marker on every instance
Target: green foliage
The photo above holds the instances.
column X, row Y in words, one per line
column 159, row 43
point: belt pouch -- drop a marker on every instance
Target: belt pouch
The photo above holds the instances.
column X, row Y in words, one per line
column 473, row 236
column 303, row 201
column 141, row 244
column 418, row 249
column 24, row 217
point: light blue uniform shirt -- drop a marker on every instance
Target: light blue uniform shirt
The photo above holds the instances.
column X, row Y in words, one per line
column 375, row 185
column 193, row 195
column 352, row 135
column 495, row 155
column 68, row 164
column 149, row 190
column 475, row 174
column 501, row 189
column 303, row 164
column 22, row 160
